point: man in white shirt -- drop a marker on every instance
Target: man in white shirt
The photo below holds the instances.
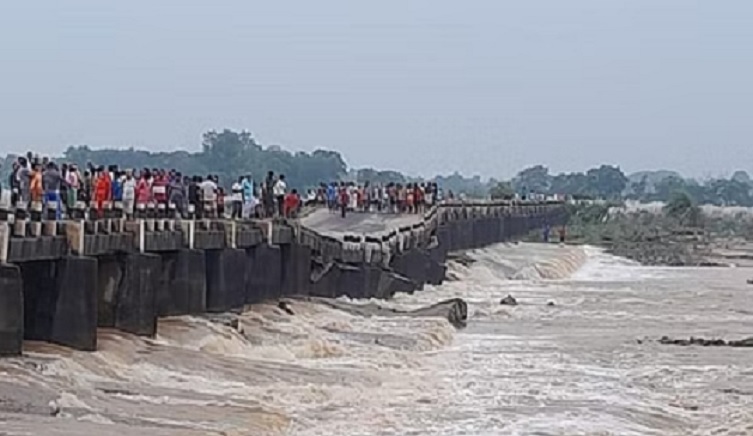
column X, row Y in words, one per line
column 236, row 198
column 279, row 191
column 129, row 193
column 209, row 196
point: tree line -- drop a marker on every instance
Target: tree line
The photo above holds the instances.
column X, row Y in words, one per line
column 230, row 154
column 611, row 183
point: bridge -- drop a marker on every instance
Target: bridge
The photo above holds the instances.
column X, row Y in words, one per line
column 61, row 280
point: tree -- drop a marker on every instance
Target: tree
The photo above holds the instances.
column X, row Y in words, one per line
column 638, row 189
column 606, row 181
column 533, row 179
column 228, row 154
column 378, row 177
column 731, row 192
column 472, row 187
column 573, row 184
column 741, row 176
column 502, row 191
column 666, row 188
column 682, row 208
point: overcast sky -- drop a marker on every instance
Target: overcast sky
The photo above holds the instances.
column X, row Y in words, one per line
column 484, row 87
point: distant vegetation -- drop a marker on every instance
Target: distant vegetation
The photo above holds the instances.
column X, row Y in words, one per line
column 610, row 183
column 230, row 154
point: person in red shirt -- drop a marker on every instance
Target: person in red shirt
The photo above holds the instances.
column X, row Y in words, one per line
column 159, row 188
column 292, row 202
column 344, row 199
column 102, row 189
column 418, row 198
column 143, row 188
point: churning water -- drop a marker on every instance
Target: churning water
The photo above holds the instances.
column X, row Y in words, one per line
column 578, row 367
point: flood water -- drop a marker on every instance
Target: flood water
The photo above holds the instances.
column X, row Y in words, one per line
column 578, row 367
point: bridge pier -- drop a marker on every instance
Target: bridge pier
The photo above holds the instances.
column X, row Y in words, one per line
column 265, row 280
column 129, row 286
column 225, row 279
column 296, row 269
column 11, row 310
column 184, row 285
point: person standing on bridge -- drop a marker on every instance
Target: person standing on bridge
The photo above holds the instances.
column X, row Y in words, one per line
column 292, row 203
column 13, row 184
column 332, row 197
column 24, row 181
column 236, row 198
column 102, row 190
column 73, row 181
column 248, row 197
column 51, row 180
column 36, row 187
column 176, row 192
column 279, row 191
column 209, row 196
column 344, row 199
column 143, row 190
column 129, row 194
column 267, row 196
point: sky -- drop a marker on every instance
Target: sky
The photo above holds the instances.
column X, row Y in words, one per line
column 481, row 87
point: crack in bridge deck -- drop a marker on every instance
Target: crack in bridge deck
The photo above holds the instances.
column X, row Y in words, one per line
column 332, row 224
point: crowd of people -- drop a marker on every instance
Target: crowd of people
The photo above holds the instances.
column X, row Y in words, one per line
column 66, row 186
column 41, row 180
column 387, row 198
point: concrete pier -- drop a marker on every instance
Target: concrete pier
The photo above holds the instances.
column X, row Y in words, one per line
column 225, row 279
column 11, row 310
column 183, row 290
column 59, row 281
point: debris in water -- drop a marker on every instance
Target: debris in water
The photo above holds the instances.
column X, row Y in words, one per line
column 747, row 342
column 454, row 310
column 284, row 305
column 509, row 301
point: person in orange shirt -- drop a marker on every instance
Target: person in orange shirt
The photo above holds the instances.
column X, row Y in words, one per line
column 35, row 186
column 102, row 189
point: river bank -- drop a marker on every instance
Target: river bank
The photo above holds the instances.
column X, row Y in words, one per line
column 656, row 237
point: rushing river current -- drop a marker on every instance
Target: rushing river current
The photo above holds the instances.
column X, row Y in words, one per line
column 581, row 366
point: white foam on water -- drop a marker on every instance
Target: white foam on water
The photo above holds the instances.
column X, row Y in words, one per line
column 532, row 369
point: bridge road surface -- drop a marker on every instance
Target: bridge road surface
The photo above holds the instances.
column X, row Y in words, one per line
column 357, row 223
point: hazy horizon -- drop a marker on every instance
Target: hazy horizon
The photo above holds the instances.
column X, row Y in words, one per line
column 422, row 87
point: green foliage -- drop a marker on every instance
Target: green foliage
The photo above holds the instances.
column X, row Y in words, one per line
column 681, row 208
column 605, row 182
column 591, row 213
column 533, row 179
column 228, row 154
column 379, row 177
column 472, row 187
column 502, row 191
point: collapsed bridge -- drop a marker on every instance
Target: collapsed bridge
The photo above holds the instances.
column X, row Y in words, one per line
column 61, row 280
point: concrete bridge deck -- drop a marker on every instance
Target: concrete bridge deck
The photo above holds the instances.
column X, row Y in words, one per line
column 334, row 225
